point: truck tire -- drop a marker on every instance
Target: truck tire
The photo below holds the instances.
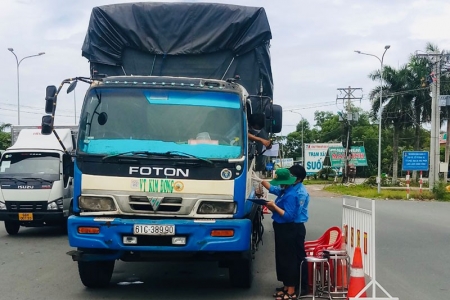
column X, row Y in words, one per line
column 96, row 274
column 241, row 273
column 12, row 228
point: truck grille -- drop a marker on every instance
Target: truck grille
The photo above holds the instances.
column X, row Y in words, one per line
column 31, row 206
column 142, row 204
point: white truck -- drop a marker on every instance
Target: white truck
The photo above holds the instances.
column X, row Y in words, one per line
column 36, row 178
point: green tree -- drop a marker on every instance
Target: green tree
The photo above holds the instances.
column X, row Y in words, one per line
column 5, row 137
column 328, row 127
column 293, row 146
column 419, row 72
column 397, row 112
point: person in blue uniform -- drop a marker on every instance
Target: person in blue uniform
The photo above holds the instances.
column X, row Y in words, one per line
column 289, row 214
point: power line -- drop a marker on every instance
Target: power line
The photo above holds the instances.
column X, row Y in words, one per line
column 28, row 106
column 33, row 113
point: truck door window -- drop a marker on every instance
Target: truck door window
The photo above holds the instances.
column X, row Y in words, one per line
column 67, row 168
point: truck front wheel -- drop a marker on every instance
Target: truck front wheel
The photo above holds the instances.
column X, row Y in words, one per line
column 96, row 274
column 12, row 228
column 241, row 272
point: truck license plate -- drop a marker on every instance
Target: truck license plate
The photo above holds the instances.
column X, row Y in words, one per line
column 25, row 217
column 154, row 229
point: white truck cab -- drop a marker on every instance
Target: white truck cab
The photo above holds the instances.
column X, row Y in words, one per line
column 36, row 178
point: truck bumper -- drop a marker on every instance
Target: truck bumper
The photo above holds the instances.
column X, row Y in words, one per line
column 108, row 243
column 39, row 218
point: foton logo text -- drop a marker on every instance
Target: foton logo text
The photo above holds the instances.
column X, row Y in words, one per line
column 157, row 171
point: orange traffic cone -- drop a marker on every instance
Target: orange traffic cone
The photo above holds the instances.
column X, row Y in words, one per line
column 357, row 281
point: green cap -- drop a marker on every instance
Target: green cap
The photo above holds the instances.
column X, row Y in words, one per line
column 283, row 176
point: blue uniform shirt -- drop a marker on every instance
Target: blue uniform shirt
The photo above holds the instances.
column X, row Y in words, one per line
column 294, row 201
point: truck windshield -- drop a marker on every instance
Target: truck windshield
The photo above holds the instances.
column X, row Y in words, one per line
column 30, row 164
column 205, row 124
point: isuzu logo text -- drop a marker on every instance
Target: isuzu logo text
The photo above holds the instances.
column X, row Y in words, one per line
column 157, row 171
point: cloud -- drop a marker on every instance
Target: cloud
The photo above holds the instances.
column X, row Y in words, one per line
column 312, row 49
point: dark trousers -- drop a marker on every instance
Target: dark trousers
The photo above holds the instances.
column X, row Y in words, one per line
column 289, row 253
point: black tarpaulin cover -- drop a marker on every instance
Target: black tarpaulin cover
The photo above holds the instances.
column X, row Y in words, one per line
column 200, row 40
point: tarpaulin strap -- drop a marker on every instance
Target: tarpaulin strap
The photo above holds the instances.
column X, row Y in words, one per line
column 153, row 65
column 226, row 71
column 162, row 63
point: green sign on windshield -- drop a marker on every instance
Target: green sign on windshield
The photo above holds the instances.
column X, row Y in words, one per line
column 337, row 156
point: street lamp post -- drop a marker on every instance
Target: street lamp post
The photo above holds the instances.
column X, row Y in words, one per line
column 379, row 112
column 18, row 84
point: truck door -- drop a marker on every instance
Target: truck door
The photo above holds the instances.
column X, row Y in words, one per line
column 67, row 180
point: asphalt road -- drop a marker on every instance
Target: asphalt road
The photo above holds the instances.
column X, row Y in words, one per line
column 412, row 261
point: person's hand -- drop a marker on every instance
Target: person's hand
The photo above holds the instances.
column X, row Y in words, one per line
column 255, row 177
column 271, row 205
column 266, row 143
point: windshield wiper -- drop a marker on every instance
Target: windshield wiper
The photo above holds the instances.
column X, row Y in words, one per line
column 149, row 153
column 13, row 179
column 38, row 179
column 184, row 154
column 134, row 153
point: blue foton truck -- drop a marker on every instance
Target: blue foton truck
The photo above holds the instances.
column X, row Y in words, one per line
column 162, row 169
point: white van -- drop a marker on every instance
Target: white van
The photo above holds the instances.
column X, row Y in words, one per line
column 36, row 177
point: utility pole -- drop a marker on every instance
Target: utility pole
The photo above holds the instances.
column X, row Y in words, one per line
column 346, row 118
column 436, row 59
column 437, row 159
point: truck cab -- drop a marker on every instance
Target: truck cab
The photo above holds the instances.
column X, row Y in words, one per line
column 163, row 165
column 36, row 179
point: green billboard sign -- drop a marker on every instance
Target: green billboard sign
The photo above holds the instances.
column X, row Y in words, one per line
column 337, row 156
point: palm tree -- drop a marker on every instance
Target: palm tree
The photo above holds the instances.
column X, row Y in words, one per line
column 4, row 126
column 397, row 112
column 419, row 71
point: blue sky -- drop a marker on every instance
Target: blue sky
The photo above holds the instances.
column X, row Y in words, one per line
column 312, row 49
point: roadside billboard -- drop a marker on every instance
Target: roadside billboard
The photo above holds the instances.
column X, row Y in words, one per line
column 315, row 155
column 337, row 156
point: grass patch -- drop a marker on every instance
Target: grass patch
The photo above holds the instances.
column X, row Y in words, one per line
column 372, row 192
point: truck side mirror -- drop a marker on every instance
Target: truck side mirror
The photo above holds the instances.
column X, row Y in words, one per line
column 275, row 118
column 50, row 98
column 72, row 86
column 47, row 125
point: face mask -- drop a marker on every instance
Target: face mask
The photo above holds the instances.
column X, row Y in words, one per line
column 256, row 130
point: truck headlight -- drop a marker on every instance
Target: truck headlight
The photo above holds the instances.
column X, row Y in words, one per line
column 2, row 206
column 94, row 203
column 214, row 207
column 55, row 205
